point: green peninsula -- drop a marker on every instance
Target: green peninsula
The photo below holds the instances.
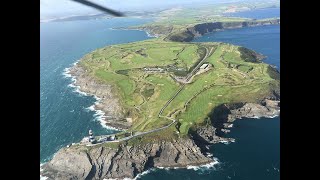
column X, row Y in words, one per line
column 146, row 75
column 171, row 99
column 170, row 96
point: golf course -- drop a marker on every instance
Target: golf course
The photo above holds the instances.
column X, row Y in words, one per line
column 144, row 77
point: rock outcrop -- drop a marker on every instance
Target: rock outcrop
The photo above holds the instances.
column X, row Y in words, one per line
column 124, row 162
column 101, row 162
column 108, row 102
column 227, row 113
column 207, row 135
column 200, row 29
column 267, row 108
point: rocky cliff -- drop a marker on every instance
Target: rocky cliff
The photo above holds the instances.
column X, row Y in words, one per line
column 227, row 113
column 127, row 161
column 124, row 162
column 108, row 102
column 200, row 29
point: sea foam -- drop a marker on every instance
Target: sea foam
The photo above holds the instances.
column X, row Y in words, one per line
column 209, row 155
column 152, row 36
column 66, row 74
column 144, row 173
column 196, row 168
column 200, row 167
column 42, row 177
column 99, row 115
column 205, row 166
column 137, row 177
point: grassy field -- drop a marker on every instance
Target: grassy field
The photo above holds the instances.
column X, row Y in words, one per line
column 179, row 18
column 142, row 93
column 209, row 12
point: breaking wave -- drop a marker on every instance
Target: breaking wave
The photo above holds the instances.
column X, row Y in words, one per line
column 42, row 177
column 205, row 166
column 99, row 115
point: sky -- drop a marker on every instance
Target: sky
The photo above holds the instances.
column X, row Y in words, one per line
column 61, row 8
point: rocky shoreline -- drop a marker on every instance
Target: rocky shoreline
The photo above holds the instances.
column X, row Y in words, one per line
column 124, row 162
column 223, row 116
column 198, row 30
column 127, row 161
column 107, row 102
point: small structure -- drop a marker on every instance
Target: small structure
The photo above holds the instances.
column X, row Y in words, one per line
column 107, row 138
column 204, row 66
column 91, row 137
column 112, row 138
column 153, row 69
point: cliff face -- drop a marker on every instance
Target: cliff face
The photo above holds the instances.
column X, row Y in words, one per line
column 158, row 30
column 200, row 29
column 267, row 108
column 108, row 102
column 99, row 162
column 227, row 113
column 124, row 162
column 249, row 55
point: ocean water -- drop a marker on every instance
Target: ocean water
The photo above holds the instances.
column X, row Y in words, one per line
column 256, row 153
column 65, row 116
column 262, row 39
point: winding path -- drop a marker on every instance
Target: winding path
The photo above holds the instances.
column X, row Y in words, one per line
column 162, row 109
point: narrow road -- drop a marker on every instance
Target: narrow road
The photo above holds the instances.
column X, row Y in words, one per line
column 163, row 108
column 187, row 79
column 199, row 64
column 138, row 133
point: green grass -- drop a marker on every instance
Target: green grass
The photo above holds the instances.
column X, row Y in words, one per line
column 231, row 79
column 166, row 134
column 177, row 19
column 201, row 12
column 148, row 91
column 236, row 74
column 244, row 68
column 124, row 85
column 189, row 55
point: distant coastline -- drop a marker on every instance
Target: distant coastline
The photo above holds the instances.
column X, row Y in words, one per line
column 75, row 17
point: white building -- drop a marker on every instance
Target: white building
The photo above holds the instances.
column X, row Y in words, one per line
column 204, row 66
column 91, row 137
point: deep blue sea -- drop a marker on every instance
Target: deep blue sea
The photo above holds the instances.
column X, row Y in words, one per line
column 262, row 39
column 65, row 116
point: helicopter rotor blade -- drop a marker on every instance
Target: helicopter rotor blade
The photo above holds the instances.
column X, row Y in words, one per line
column 101, row 8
